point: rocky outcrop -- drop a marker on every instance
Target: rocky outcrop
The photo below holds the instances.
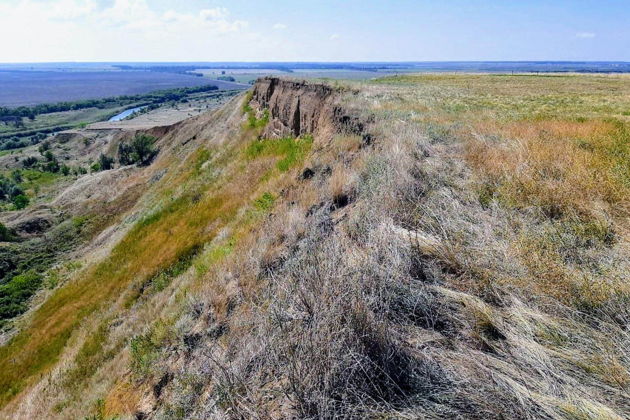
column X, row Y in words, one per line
column 299, row 107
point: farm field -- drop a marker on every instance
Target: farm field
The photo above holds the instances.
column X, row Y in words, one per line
column 23, row 88
column 250, row 75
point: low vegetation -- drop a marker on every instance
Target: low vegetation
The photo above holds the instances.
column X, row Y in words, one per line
column 25, row 263
column 157, row 96
column 24, row 126
column 139, row 151
column 6, row 235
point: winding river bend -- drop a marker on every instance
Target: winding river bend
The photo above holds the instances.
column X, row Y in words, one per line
column 126, row 113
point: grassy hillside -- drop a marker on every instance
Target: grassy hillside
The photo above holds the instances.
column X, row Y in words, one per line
column 460, row 250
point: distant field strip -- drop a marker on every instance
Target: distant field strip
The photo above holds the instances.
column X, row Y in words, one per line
column 21, row 88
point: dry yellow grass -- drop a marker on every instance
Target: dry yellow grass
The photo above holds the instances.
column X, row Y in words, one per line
column 556, row 165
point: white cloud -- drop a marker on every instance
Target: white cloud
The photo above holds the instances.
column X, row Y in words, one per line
column 137, row 15
column 334, row 37
column 585, row 35
column 126, row 30
column 279, row 26
column 72, row 9
column 214, row 14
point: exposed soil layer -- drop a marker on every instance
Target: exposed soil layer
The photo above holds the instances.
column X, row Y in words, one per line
column 299, row 107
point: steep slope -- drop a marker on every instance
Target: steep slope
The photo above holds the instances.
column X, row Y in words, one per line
column 415, row 247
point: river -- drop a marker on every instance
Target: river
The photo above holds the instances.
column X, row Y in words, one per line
column 125, row 113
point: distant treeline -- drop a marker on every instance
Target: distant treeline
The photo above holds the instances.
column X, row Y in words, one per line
column 190, row 69
column 187, row 70
column 10, row 114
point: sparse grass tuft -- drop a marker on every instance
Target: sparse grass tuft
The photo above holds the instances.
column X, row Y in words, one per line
column 265, row 202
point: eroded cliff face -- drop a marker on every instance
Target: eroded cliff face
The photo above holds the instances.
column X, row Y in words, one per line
column 299, row 107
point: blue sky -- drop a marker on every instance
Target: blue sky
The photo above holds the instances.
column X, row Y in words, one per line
column 324, row 30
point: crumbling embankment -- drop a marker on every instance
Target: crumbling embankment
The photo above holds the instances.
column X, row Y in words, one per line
column 299, row 107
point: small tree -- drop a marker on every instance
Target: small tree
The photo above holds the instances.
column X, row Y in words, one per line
column 5, row 187
column 49, row 156
column 5, row 234
column 43, row 147
column 20, row 201
column 106, row 162
column 51, row 166
column 16, row 175
column 141, row 151
column 15, row 190
column 29, row 162
column 143, row 148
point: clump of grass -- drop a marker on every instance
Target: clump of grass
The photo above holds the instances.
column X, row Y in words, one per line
column 265, row 202
column 162, row 279
column 99, row 412
column 206, row 259
column 203, row 155
column 252, row 121
column 92, row 354
column 144, row 352
column 246, row 107
column 145, row 348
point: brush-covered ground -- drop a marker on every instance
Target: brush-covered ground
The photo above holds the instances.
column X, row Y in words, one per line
column 443, row 246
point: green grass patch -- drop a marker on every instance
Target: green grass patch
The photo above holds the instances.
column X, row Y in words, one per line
column 216, row 253
column 246, row 108
column 15, row 294
column 265, row 202
column 163, row 278
column 252, row 121
column 291, row 151
column 145, row 348
column 203, row 155
column 33, row 179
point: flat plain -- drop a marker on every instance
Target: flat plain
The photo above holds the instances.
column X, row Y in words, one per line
column 23, row 88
